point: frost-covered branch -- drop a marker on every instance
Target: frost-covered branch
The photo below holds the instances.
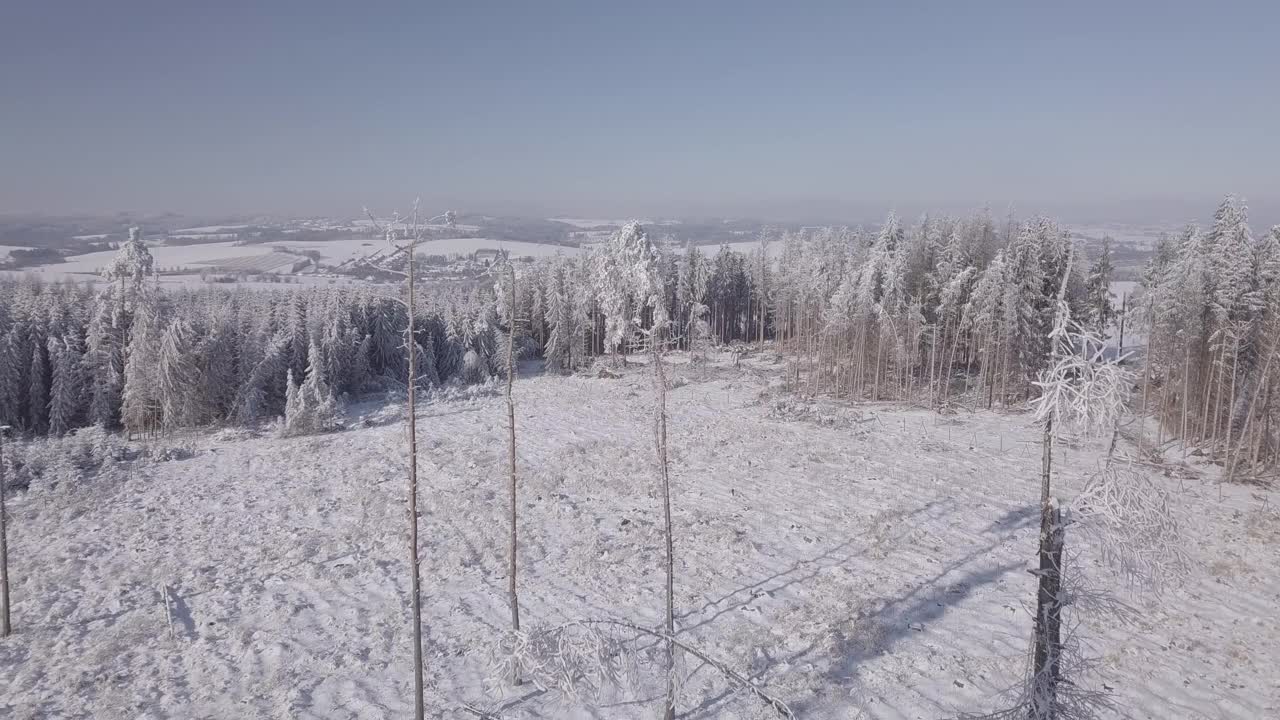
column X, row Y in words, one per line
column 1135, row 524
column 578, row 657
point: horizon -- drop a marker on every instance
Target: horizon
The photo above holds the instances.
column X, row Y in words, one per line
column 1088, row 114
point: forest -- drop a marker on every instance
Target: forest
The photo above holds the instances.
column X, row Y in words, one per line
column 948, row 311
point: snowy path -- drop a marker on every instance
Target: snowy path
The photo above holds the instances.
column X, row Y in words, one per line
column 861, row 562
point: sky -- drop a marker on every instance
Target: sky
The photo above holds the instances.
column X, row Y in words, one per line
column 771, row 110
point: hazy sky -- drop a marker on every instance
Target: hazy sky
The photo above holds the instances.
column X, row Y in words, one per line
column 769, row 109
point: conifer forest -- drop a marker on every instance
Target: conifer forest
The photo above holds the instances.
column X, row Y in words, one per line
column 920, row 468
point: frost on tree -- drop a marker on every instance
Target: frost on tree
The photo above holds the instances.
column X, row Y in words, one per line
column 1211, row 304
column 309, row 408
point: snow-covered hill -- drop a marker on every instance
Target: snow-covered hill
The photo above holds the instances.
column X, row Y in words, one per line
column 859, row 561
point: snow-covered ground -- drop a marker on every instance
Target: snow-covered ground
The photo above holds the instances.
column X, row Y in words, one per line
column 211, row 230
column 6, row 249
column 1137, row 235
column 228, row 255
column 858, row 561
column 465, row 246
column 165, row 256
column 601, row 222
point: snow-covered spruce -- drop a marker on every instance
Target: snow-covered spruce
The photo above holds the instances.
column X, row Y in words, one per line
column 944, row 312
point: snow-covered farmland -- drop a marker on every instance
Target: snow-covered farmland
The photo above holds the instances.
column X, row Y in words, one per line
column 210, row 230
column 166, row 256
column 6, row 249
column 858, row 561
column 405, row 226
column 230, row 256
column 605, row 223
column 465, row 246
column 1138, row 236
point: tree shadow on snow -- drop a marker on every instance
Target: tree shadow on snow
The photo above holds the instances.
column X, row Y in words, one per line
column 894, row 619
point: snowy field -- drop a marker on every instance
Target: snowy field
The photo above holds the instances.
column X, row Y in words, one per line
column 166, row 256
column 602, row 222
column 6, row 249
column 465, row 246
column 1137, row 235
column 230, row 256
column 859, row 561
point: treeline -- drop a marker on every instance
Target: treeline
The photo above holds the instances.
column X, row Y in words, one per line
column 941, row 311
column 895, row 314
column 1211, row 302
column 960, row 310
column 127, row 355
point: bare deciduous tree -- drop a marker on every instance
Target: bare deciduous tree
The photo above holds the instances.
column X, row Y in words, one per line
column 512, row 597
column 5, row 626
column 413, row 235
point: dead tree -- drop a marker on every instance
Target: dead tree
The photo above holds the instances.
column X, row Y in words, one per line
column 413, row 236
column 5, row 626
column 1046, row 666
column 513, row 598
column 1045, row 669
column 664, row 477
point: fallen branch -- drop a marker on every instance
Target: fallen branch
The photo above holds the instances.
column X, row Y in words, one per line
column 484, row 715
column 735, row 677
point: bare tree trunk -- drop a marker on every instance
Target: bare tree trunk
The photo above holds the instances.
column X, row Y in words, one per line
column 1046, row 658
column 1186, row 396
column 5, row 627
column 418, row 707
column 1231, row 396
column 1208, row 397
column 764, row 246
column 1264, row 430
column 933, row 353
column 1146, row 379
column 1245, row 442
column 1124, row 306
column 950, row 367
column 511, row 457
column 660, row 438
column 1048, row 622
column 1215, row 418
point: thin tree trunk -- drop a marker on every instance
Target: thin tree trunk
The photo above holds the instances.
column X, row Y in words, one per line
column 1047, row 655
column 1186, row 396
column 1208, row 397
column 949, row 369
column 933, row 354
column 1216, row 417
column 1231, row 393
column 763, row 293
column 660, row 436
column 1263, row 430
column 418, row 706
column 511, row 457
column 1146, row 379
column 1248, row 420
column 1124, row 305
column 5, row 627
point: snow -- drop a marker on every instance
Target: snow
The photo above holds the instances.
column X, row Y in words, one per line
column 209, row 230
column 747, row 247
column 166, row 256
column 597, row 222
column 588, row 222
column 1139, row 236
column 335, row 252
column 6, row 249
column 466, row 246
column 859, row 561
column 367, row 223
